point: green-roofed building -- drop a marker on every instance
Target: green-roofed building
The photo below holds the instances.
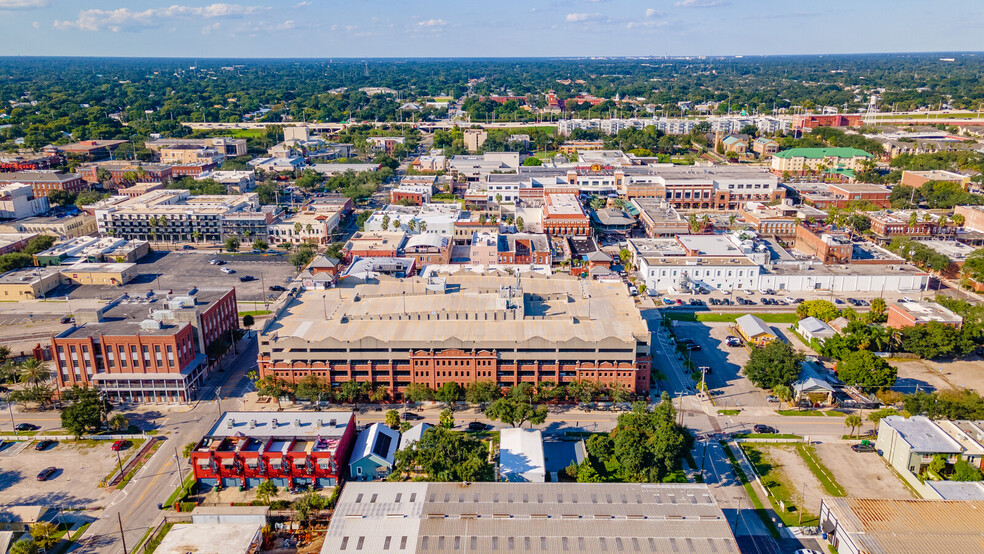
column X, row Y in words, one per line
column 801, row 161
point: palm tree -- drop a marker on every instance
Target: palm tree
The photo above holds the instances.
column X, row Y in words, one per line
column 153, row 227
column 412, row 225
column 694, row 223
column 854, row 422
column 33, row 371
column 957, row 220
column 783, row 393
column 731, row 221
column 705, row 222
column 913, row 220
column 196, row 235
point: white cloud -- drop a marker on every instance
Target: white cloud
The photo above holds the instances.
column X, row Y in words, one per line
column 432, row 23
column 36, row 25
column 579, row 17
column 302, row 4
column 125, row 18
column 651, row 12
column 208, row 29
column 700, row 3
column 22, row 4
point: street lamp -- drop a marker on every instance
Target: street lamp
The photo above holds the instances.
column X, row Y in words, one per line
column 10, row 409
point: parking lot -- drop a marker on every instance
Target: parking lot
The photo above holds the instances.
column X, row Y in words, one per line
column 80, row 467
column 862, row 474
column 181, row 270
column 930, row 375
column 731, row 388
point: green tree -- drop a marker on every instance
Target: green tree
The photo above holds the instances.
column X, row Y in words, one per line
column 248, row 321
column 260, row 245
column 449, row 393
column 39, row 243
column 964, row 471
column 305, row 253
column 308, row 505
column 393, row 419
column 774, row 364
column 515, row 412
column 24, row 546
column 482, row 392
column 232, row 244
column 62, row 197
column 311, row 387
column 33, row 371
column 45, row 534
column 86, row 413
column 119, row 422
column 783, row 392
column 532, row 161
column 878, row 307
column 417, row 392
column 866, row 371
column 936, row 340
column 854, row 422
column 820, row 309
column 446, row 419
column 601, row 447
column 443, row 455
column 266, row 490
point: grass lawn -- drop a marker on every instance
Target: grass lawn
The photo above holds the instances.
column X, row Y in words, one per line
column 779, row 487
column 546, row 155
column 820, row 471
column 179, row 493
column 255, row 313
column 767, row 436
column 810, row 413
column 711, row 317
column 743, row 479
column 729, row 412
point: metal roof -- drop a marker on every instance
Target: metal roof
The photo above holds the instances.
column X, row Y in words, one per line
column 527, row 517
column 521, row 455
column 753, row 326
column 923, row 435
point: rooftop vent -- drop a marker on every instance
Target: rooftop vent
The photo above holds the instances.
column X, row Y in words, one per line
column 230, row 423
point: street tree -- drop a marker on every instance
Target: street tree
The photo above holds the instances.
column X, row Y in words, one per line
column 86, row 413
column 449, row 393
column 776, row 363
column 865, row 370
column 393, row 419
column 482, row 392
column 446, row 419
column 516, row 412
column 443, row 455
column 854, row 422
column 266, row 490
column 417, row 392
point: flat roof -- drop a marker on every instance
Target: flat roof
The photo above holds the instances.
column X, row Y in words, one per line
column 521, row 454
column 923, row 435
column 924, row 312
column 281, row 424
column 476, row 309
column 950, row 248
column 528, row 517
column 562, row 205
column 27, row 275
column 710, row 245
column 209, row 538
column 816, row 153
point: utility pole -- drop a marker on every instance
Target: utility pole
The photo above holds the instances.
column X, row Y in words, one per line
column 119, row 519
column 119, row 461
column 10, row 409
column 177, row 462
column 737, row 515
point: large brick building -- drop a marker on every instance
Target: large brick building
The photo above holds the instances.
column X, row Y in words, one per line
column 461, row 328
column 299, row 449
column 908, row 314
column 146, row 351
column 564, row 216
column 45, row 182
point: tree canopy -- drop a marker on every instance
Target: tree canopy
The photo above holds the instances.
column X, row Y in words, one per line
column 773, row 364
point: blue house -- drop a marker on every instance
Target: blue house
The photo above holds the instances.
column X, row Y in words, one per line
column 373, row 455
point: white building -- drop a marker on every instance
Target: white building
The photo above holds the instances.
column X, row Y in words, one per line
column 17, row 201
column 236, row 182
column 521, row 456
column 435, row 219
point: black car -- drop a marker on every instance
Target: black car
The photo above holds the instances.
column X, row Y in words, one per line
column 43, row 445
column 477, row 426
column 45, row 473
column 863, row 447
column 26, row 427
column 765, row 429
column 277, row 288
column 412, row 416
column 246, row 278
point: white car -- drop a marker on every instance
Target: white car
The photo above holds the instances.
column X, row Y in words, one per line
column 789, row 299
column 227, row 270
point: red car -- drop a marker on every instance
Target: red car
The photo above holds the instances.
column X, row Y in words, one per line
column 118, row 445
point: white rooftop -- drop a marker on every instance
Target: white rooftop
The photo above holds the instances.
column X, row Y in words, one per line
column 210, row 538
column 521, row 455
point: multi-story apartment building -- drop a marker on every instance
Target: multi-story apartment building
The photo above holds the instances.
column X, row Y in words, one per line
column 146, row 351
column 909, row 223
column 226, row 146
column 461, row 328
column 18, row 200
column 300, row 449
column 183, row 154
column 174, row 215
column 801, row 161
column 46, row 182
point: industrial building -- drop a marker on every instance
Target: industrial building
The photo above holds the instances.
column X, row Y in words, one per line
column 528, row 517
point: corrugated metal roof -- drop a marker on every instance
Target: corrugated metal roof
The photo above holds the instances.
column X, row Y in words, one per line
column 523, row 517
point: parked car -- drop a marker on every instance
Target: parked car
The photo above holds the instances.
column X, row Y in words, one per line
column 765, row 429
column 118, row 445
column 412, row 416
column 679, row 302
column 227, row 271
column 278, row 288
column 43, row 445
column 46, row 473
column 771, row 398
column 790, row 299
column 216, row 262
column 67, row 319
column 246, row 278
column 478, row 426
column 27, row 427
column 863, row 447
column 668, row 301
column 187, row 247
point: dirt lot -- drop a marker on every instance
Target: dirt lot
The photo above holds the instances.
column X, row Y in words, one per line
column 180, row 270
column 927, row 375
column 863, row 474
column 76, row 483
column 806, row 490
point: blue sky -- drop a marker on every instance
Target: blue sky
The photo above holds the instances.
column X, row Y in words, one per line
column 441, row 28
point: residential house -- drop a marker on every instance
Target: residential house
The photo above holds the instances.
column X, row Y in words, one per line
column 374, row 454
column 754, row 330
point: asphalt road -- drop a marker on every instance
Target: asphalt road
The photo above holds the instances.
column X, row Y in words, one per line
column 137, row 503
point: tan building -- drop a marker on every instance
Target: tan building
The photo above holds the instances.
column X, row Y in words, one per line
column 311, row 226
column 113, row 274
column 68, row 227
column 188, row 154
column 475, row 138
column 917, row 179
column 461, row 328
column 28, row 283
